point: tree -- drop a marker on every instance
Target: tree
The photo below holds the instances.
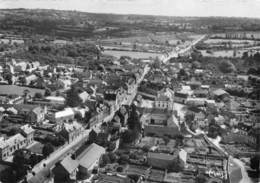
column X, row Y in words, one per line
column 133, row 121
column 254, row 163
column 47, row 92
column 196, row 65
column 19, row 158
column 245, row 55
column 128, row 136
column 104, row 160
column 38, row 95
column 182, row 74
column 111, row 146
column 112, row 157
column 22, row 80
column 123, row 159
column 189, row 117
column 156, row 63
column 7, row 75
column 226, row 66
column 214, row 131
column 73, row 99
column 47, row 149
column 20, row 162
column 201, row 178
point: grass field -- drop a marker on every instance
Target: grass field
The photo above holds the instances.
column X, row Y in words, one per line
column 159, row 38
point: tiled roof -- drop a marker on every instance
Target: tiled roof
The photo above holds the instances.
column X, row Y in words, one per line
column 69, row 164
column 162, row 156
column 219, row 92
column 27, row 129
column 11, row 141
column 90, row 155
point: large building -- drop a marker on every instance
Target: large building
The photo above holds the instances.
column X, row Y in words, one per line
column 160, row 123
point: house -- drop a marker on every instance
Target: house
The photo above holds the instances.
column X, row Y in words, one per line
column 181, row 97
column 89, row 158
column 196, row 102
column 10, row 145
column 160, row 123
column 11, row 99
column 33, row 113
column 194, row 85
column 20, row 66
column 29, row 79
column 65, row 83
column 84, row 96
column 28, row 132
column 172, row 177
column 201, row 93
column 61, row 116
column 183, row 156
column 114, row 97
column 66, row 170
column 160, row 160
column 56, row 100
column 81, row 163
column 163, row 102
column 105, row 178
column 220, row 94
column 71, row 131
column 102, row 138
column 92, row 135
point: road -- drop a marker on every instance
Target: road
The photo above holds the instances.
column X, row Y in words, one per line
column 42, row 171
column 130, row 97
column 176, row 53
column 235, row 167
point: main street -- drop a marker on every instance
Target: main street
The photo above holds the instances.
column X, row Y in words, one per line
column 42, row 170
column 175, row 53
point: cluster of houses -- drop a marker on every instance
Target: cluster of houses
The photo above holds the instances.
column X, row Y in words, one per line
column 35, row 108
column 180, row 108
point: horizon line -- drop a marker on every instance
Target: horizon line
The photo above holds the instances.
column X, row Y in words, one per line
column 110, row 13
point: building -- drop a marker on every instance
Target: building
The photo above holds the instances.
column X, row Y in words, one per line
column 10, row 145
column 220, row 94
column 89, row 158
column 62, row 116
column 29, row 79
column 66, row 170
column 71, row 131
column 160, row 160
column 181, row 97
column 56, row 100
column 104, row 178
column 28, row 132
column 160, row 123
column 84, row 96
column 163, row 102
column 114, row 97
column 33, row 113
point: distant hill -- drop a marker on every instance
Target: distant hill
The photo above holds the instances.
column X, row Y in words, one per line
column 81, row 24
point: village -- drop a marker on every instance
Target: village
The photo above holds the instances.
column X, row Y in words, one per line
column 103, row 98
column 125, row 122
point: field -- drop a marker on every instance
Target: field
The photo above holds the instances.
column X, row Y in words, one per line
column 247, row 35
column 233, row 41
column 133, row 54
column 159, row 38
column 146, row 46
column 18, row 90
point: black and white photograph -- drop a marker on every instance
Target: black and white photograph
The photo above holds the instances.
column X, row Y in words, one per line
column 129, row 91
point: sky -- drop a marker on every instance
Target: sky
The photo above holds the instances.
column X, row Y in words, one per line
column 230, row 8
